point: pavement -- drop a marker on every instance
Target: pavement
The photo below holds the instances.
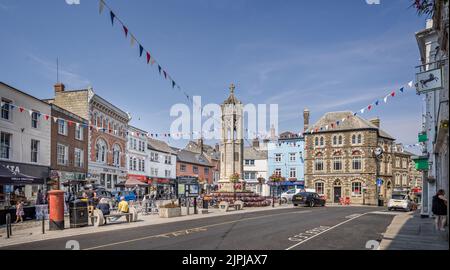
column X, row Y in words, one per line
column 409, row 231
column 280, row 228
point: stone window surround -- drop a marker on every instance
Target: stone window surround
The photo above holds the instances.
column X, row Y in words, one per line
column 113, row 122
column 356, row 134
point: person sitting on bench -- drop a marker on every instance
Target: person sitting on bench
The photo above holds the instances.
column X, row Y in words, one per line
column 121, row 208
column 103, row 206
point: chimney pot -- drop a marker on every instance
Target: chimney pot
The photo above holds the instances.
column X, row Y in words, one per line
column 59, row 87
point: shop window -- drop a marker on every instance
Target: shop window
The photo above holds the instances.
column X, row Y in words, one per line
column 356, row 188
column 319, row 186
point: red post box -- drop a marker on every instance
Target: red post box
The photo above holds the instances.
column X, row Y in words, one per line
column 56, row 205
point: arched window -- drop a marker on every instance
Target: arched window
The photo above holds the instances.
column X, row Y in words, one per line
column 316, row 141
column 359, row 138
column 334, row 140
column 116, row 155
column 356, row 161
column 337, row 161
column 353, row 139
column 130, row 164
column 321, row 141
column 404, row 180
column 101, row 149
column 318, row 164
column 340, row 140
column 319, row 186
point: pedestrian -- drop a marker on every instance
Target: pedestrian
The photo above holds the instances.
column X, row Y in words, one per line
column 439, row 209
column 19, row 211
column 39, row 198
column 103, row 205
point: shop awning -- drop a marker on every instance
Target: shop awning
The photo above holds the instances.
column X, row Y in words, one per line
column 8, row 177
column 286, row 183
column 133, row 183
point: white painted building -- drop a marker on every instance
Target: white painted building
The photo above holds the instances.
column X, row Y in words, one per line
column 25, row 131
column 255, row 170
column 137, row 154
column 161, row 166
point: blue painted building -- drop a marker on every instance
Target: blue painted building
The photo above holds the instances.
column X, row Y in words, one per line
column 286, row 159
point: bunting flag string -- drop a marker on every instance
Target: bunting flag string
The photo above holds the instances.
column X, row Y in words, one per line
column 150, row 58
column 365, row 109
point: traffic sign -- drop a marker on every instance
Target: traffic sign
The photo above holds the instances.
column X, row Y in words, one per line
column 379, row 182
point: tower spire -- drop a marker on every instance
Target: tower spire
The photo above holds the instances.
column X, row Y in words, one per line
column 232, row 87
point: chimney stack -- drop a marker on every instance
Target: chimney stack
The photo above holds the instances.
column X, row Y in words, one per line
column 255, row 143
column 200, row 144
column 59, row 87
column 216, row 147
column 375, row 121
column 305, row 119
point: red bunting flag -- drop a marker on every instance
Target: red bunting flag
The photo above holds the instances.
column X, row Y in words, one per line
column 148, row 57
column 370, row 107
column 125, row 30
column 47, row 117
column 70, row 123
column 393, row 93
column 21, row 109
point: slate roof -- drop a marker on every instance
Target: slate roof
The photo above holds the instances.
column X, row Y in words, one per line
column 191, row 157
column 351, row 122
column 252, row 153
column 160, row 146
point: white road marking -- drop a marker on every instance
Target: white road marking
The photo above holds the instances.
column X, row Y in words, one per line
column 335, row 226
column 352, row 216
column 193, row 229
column 386, row 213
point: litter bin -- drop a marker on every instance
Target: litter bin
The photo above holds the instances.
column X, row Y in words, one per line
column 380, row 202
column 78, row 210
column 205, row 204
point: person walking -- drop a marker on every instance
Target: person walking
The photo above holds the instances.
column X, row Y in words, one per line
column 19, row 211
column 439, row 209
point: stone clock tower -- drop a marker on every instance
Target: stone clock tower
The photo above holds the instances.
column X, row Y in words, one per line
column 232, row 140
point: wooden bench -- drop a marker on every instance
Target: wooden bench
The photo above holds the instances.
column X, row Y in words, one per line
column 237, row 205
column 98, row 219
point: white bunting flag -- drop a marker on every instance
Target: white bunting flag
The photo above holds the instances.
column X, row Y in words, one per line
column 133, row 40
column 362, row 110
column 30, row 112
column 385, row 98
column 55, row 119
column 326, row 127
column 343, row 119
column 102, row 5
column 411, row 84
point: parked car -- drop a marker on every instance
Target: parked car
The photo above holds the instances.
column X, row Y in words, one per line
column 310, row 199
column 287, row 196
column 129, row 195
column 401, row 202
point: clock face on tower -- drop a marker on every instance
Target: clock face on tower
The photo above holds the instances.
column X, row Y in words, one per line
column 378, row 151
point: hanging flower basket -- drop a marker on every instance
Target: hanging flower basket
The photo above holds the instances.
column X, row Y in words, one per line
column 234, row 178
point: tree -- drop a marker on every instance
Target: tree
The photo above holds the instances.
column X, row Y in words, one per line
column 426, row 7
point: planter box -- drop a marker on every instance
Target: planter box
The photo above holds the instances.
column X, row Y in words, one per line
column 169, row 212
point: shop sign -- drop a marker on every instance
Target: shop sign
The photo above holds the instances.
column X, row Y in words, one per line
column 429, row 80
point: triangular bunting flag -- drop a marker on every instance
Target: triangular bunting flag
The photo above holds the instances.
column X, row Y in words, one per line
column 30, row 112
column 173, row 84
column 141, row 50
column 46, row 116
column 385, row 99
column 159, row 69
column 411, row 84
column 393, row 93
column 125, row 30
column 377, row 102
column 112, row 17
column 132, row 40
column 20, row 109
column 165, row 74
column 148, row 57
column 401, row 89
column 362, row 111
column 101, row 6
column 369, row 107
column 55, row 119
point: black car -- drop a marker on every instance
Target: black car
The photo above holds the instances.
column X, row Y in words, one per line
column 310, row 199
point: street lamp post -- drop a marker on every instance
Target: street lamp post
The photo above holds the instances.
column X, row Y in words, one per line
column 378, row 155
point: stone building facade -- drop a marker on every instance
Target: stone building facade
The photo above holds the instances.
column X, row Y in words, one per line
column 340, row 160
column 107, row 133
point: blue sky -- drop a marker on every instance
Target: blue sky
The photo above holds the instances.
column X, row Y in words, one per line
column 324, row 55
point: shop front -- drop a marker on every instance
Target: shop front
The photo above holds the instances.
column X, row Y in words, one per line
column 20, row 182
column 106, row 177
column 162, row 188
